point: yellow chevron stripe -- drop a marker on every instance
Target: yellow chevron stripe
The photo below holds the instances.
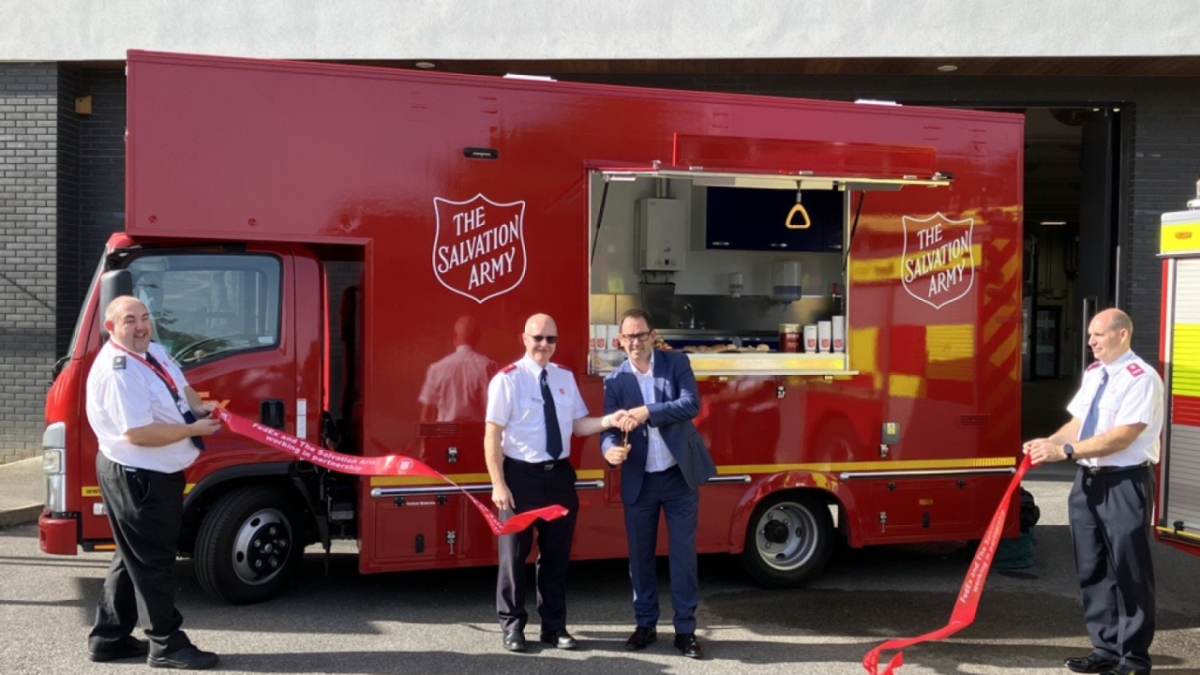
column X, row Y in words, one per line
column 1185, row 366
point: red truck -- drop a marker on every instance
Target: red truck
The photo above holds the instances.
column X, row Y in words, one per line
column 324, row 247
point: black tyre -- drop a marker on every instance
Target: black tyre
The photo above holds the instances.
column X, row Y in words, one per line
column 248, row 545
column 788, row 540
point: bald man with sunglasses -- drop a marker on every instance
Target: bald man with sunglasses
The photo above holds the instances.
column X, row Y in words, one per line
column 533, row 408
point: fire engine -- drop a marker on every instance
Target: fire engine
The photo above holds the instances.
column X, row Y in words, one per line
column 322, row 248
column 1178, row 521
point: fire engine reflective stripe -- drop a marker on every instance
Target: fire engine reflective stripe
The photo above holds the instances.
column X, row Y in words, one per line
column 906, row 386
column 1000, row 344
column 968, row 595
column 951, row 351
column 1185, row 362
column 372, row 466
column 890, row 269
column 898, row 465
column 864, row 352
column 460, row 478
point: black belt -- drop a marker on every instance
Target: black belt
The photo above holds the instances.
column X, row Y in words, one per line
column 547, row 465
column 1095, row 470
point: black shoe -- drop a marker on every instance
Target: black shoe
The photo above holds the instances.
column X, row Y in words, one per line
column 561, row 639
column 127, row 647
column 1092, row 663
column 642, row 637
column 184, row 658
column 514, row 641
column 689, row 645
column 1122, row 671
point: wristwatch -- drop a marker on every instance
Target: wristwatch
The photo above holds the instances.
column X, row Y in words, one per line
column 1069, row 450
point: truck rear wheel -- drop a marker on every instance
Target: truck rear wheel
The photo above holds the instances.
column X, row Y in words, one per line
column 248, row 545
column 788, row 540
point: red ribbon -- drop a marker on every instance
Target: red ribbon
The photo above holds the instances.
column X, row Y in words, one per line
column 388, row 465
column 968, row 596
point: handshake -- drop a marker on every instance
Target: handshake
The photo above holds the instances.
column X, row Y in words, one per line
column 626, row 421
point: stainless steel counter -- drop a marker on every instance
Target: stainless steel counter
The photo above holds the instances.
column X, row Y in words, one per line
column 756, row 363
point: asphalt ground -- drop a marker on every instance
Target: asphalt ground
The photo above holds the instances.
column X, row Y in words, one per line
column 443, row 622
column 22, row 491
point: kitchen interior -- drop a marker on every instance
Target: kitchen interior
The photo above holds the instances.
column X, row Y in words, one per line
column 742, row 278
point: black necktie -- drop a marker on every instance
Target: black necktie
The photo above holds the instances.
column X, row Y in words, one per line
column 554, row 446
column 1093, row 414
column 185, row 410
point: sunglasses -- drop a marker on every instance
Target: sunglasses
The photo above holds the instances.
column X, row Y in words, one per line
column 548, row 339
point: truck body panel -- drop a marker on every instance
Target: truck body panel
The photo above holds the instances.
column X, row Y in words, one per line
column 478, row 199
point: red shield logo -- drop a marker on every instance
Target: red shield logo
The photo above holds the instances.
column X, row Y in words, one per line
column 938, row 264
column 479, row 247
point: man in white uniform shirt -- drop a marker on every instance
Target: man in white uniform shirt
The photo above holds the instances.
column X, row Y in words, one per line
column 533, row 408
column 139, row 405
column 1116, row 418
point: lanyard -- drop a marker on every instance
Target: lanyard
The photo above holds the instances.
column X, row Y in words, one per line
column 156, row 367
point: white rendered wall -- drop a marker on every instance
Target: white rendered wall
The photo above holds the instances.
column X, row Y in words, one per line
column 89, row 30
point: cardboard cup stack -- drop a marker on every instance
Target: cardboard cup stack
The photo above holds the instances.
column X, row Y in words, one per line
column 839, row 333
column 810, row 338
column 824, row 336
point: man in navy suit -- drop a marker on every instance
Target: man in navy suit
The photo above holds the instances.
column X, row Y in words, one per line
column 662, row 470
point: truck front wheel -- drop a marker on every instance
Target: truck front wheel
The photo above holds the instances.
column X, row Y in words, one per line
column 788, row 540
column 248, row 545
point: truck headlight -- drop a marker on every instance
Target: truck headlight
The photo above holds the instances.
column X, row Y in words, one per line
column 52, row 461
column 54, row 448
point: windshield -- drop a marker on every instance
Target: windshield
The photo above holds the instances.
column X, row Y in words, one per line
column 207, row 306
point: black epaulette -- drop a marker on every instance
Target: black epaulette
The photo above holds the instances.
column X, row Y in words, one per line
column 119, row 362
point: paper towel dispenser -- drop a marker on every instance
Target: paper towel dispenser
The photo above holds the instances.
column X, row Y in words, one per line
column 785, row 280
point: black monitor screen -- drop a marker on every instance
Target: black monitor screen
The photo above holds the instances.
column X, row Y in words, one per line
column 760, row 207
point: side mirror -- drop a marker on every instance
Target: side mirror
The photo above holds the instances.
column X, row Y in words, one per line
column 113, row 285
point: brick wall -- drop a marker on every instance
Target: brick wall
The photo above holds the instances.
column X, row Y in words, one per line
column 1164, row 166
column 99, row 188
column 62, row 193
column 28, row 274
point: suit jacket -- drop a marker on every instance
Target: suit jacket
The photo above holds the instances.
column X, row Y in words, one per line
column 677, row 401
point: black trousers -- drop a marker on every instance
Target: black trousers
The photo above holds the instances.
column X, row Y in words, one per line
column 145, row 509
column 534, row 486
column 1110, row 528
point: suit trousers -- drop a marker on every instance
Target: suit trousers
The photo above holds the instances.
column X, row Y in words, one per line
column 1110, row 529
column 145, row 509
column 534, row 485
column 666, row 492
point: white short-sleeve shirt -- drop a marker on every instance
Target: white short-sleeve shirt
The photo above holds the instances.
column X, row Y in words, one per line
column 123, row 394
column 1134, row 395
column 515, row 403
